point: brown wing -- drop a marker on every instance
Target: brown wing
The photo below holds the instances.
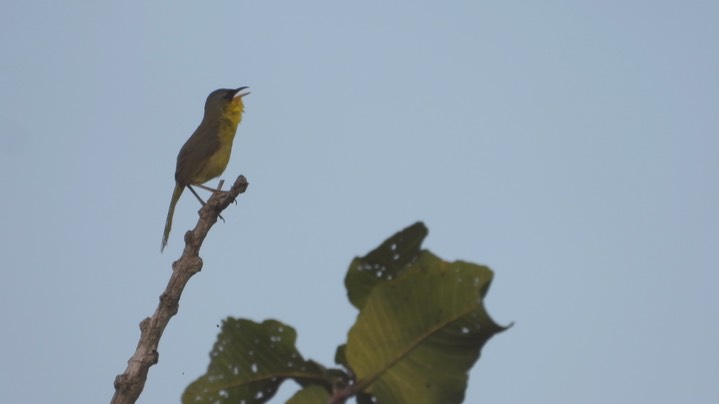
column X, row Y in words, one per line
column 196, row 152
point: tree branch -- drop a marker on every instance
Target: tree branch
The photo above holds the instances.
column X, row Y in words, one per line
column 130, row 384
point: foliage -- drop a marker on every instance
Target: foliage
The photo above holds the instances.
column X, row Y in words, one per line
column 420, row 329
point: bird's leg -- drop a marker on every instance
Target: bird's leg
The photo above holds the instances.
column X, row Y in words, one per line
column 200, row 199
column 218, row 189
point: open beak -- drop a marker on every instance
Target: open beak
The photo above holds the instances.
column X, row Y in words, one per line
column 237, row 92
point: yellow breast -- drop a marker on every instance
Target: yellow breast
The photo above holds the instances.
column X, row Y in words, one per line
column 227, row 128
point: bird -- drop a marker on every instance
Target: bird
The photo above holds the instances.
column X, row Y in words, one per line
column 205, row 154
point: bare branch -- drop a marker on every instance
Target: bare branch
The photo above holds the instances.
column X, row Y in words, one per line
column 130, row 384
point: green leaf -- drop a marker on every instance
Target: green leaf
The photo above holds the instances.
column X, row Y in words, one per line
column 310, row 395
column 385, row 262
column 249, row 362
column 418, row 335
column 340, row 357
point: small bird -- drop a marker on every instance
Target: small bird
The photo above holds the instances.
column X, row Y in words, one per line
column 206, row 153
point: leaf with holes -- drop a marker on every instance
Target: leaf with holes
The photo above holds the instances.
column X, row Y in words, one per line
column 385, row 262
column 249, row 362
column 417, row 335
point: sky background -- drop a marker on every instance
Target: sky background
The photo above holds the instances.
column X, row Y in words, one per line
column 570, row 146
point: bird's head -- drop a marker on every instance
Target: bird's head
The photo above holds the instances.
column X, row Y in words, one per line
column 225, row 100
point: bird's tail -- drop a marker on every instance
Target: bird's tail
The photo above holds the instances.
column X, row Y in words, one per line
column 170, row 212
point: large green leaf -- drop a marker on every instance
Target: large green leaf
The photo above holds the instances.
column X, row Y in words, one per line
column 418, row 335
column 385, row 262
column 249, row 362
column 310, row 395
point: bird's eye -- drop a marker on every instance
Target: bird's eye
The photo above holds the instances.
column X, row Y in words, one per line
column 230, row 95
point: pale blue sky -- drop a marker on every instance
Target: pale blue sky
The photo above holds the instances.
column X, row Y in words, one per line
column 571, row 146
